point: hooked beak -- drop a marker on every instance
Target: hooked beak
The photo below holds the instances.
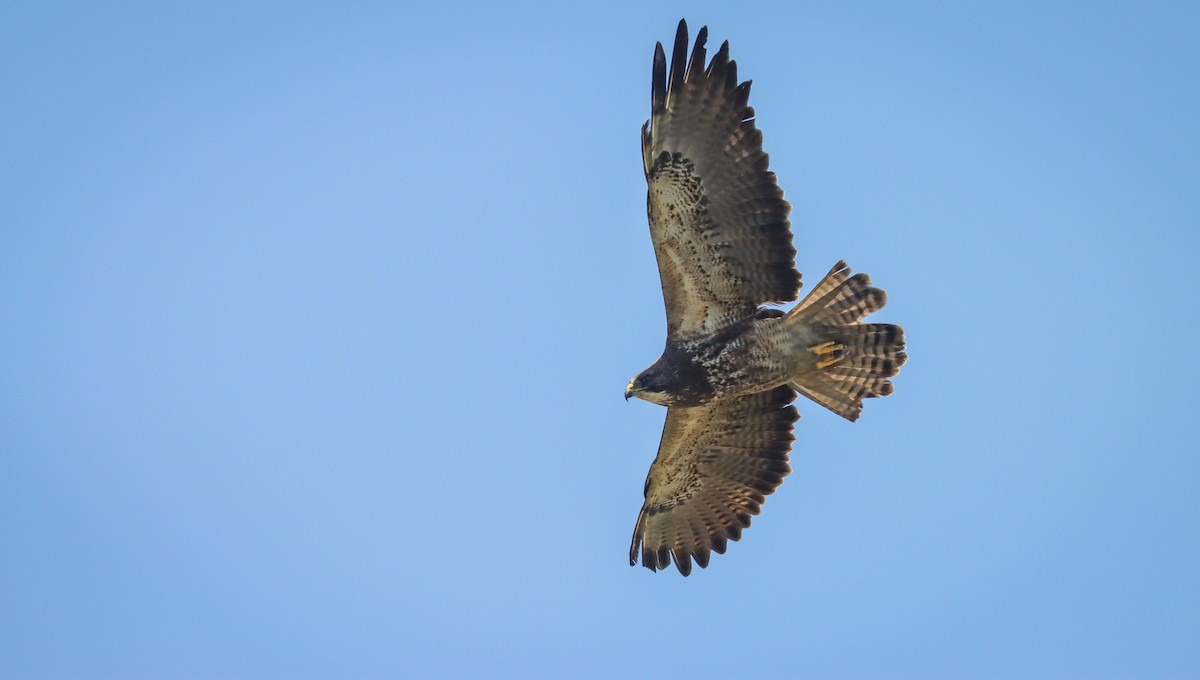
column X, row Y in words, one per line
column 629, row 390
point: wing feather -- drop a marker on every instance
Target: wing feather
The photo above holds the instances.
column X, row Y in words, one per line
column 716, row 465
column 718, row 218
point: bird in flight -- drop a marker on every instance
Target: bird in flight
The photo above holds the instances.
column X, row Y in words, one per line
column 733, row 362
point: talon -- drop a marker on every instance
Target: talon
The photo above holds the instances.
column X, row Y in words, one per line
column 830, row 352
column 823, row 348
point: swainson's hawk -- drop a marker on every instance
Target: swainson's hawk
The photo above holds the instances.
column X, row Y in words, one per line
column 733, row 364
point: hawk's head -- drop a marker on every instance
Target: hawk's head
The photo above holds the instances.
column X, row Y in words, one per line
column 651, row 385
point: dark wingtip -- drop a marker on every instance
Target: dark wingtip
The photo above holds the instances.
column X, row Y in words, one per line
column 683, row 561
column 678, row 58
column 696, row 61
column 658, row 81
column 719, row 544
column 663, row 556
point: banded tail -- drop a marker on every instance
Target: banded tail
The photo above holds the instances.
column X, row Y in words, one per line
column 853, row 359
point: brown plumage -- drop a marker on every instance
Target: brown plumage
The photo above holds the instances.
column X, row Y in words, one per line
column 732, row 366
column 718, row 218
column 716, row 465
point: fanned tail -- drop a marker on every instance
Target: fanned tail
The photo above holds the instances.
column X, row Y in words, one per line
column 854, row 360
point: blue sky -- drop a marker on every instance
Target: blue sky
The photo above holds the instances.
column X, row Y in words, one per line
column 317, row 318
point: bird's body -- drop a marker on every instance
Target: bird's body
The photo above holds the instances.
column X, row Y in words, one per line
column 745, row 357
column 734, row 361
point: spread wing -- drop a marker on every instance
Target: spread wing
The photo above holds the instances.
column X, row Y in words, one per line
column 715, row 466
column 717, row 217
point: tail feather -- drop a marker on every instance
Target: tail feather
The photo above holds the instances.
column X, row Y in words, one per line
column 856, row 359
column 883, row 340
column 886, row 366
column 839, row 273
column 858, row 300
column 837, row 397
column 868, row 384
column 839, row 299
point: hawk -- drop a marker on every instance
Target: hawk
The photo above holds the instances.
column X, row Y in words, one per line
column 733, row 363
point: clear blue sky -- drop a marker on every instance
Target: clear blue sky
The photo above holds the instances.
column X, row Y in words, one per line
column 316, row 321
